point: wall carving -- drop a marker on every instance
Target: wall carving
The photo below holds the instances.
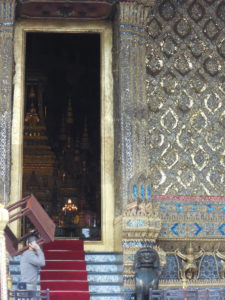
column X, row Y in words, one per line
column 92, row 10
column 6, row 65
column 209, row 268
column 191, row 218
column 185, row 66
column 173, row 225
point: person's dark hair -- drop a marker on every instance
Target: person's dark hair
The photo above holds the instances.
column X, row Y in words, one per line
column 32, row 238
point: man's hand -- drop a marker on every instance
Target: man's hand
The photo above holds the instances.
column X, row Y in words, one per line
column 34, row 245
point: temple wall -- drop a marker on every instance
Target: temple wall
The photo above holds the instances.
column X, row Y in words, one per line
column 169, row 118
column 185, row 93
column 169, row 124
column 184, row 128
column 183, row 132
column 172, row 124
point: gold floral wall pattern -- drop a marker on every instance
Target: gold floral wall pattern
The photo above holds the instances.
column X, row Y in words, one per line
column 185, row 63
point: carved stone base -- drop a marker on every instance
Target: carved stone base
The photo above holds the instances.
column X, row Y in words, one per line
column 141, row 226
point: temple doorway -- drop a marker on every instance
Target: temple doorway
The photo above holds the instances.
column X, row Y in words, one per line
column 62, row 130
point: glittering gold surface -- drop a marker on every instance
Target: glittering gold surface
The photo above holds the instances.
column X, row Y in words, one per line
column 185, row 91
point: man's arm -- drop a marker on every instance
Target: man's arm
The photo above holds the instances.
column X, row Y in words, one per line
column 36, row 257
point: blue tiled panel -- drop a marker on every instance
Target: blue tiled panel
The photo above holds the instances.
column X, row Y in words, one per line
column 138, row 244
column 129, row 295
column 192, row 229
column 193, row 207
column 208, row 268
column 141, row 191
column 170, row 270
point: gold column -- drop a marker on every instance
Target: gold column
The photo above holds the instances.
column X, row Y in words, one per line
column 4, row 217
column 130, row 106
column 7, row 9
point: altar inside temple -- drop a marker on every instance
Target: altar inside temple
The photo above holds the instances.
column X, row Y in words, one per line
column 61, row 151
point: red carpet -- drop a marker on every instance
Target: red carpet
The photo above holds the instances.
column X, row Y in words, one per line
column 65, row 271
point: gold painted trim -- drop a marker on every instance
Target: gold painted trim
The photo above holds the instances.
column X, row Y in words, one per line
column 167, row 284
column 107, row 132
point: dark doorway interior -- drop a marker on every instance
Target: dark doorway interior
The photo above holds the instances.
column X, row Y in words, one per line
column 62, row 130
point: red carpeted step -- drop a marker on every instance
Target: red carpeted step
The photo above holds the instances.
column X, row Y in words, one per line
column 64, row 255
column 65, row 275
column 64, row 285
column 75, row 245
column 62, row 295
column 65, row 265
column 65, row 271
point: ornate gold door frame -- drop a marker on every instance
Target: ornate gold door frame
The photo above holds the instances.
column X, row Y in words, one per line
column 107, row 134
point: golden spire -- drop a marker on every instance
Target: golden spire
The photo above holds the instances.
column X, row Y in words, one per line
column 32, row 93
column 32, row 115
column 85, row 140
column 62, row 133
column 69, row 114
column 77, row 151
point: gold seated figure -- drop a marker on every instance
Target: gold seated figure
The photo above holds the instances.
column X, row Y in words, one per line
column 189, row 267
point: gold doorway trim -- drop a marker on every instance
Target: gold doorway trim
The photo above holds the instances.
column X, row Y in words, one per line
column 107, row 134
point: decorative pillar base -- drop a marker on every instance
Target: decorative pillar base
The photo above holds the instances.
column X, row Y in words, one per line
column 141, row 227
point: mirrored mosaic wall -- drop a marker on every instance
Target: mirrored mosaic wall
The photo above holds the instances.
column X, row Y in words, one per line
column 209, row 268
column 186, row 97
column 6, row 65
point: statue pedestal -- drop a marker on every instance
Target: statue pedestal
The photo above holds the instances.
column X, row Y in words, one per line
column 4, row 217
column 141, row 227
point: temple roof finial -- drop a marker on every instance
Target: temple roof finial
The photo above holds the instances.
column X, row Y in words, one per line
column 69, row 114
column 85, row 139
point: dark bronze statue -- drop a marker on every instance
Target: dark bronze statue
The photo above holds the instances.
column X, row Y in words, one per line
column 147, row 271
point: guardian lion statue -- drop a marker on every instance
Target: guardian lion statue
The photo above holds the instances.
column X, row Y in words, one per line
column 147, row 271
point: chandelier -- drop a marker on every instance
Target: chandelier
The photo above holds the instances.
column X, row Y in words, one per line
column 69, row 206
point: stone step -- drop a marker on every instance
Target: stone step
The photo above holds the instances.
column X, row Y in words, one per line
column 106, row 296
column 104, row 257
column 105, row 287
column 92, row 268
column 105, row 277
column 104, row 267
column 104, row 274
